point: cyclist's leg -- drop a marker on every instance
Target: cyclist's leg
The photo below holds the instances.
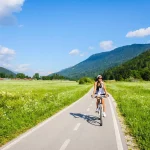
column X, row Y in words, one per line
column 97, row 102
column 104, row 107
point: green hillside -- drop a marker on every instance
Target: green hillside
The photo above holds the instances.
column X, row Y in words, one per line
column 4, row 72
column 97, row 63
column 138, row 67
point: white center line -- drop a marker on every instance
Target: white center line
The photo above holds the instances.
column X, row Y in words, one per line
column 88, row 109
column 64, row 146
column 77, row 127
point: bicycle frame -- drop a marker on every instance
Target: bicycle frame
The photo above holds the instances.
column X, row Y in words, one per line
column 100, row 110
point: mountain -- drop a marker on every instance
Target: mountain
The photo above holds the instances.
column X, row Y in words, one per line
column 138, row 67
column 97, row 63
column 6, row 71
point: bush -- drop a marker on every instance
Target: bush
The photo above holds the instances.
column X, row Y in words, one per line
column 85, row 80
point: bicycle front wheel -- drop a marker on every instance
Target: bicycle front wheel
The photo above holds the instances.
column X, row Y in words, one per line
column 101, row 116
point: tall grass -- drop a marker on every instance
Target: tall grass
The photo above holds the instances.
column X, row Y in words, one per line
column 133, row 100
column 23, row 104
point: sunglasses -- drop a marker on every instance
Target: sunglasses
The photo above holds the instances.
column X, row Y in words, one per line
column 99, row 78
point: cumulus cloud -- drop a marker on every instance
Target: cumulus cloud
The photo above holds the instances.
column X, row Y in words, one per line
column 7, row 8
column 22, row 68
column 6, row 55
column 139, row 33
column 90, row 47
column 6, row 60
column 107, row 45
column 82, row 54
column 74, row 52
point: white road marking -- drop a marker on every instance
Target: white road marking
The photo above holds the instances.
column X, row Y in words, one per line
column 15, row 141
column 77, row 127
column 64, row 146
column 117, row 133
column 88, row 109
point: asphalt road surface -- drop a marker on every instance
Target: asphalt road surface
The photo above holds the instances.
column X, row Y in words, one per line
column 75, row 128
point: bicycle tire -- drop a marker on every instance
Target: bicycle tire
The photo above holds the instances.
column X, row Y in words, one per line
column 101, row 116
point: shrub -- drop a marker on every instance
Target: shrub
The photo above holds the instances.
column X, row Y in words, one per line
column 85, row 80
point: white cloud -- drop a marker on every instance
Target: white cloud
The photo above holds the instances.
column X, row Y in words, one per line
column 74, row 52
column 90, row 47
column 82, row 54
column 7, row 65
column 139, row 33
column 22, row 68
column 6, row 55
column 7, row 8
column 50, row 72
column 107, row 45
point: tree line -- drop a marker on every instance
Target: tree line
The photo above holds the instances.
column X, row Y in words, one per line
column 35, row 76
column 136, row 68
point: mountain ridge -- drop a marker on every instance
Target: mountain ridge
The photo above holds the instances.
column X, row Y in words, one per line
column 90, row 68
column 6, row 71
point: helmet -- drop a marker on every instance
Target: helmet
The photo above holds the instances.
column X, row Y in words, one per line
column 99, row 76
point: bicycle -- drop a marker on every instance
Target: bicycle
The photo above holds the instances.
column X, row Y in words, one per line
column 100, row 107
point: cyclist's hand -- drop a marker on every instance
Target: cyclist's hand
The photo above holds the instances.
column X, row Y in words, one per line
column 92, row 96
column 107, row 95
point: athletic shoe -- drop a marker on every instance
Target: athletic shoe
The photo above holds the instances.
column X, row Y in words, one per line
column 96, row 110
column 104, row 114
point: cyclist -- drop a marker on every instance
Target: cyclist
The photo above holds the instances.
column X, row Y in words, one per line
column 99, row 90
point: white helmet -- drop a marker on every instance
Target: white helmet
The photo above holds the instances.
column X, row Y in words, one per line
column 99, row 76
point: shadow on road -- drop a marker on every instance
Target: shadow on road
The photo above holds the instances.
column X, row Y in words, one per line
column 93, row 120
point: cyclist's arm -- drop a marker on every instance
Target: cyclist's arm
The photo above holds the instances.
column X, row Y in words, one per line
column 94, row 91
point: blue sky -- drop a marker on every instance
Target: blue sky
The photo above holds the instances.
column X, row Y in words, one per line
column 50, row 35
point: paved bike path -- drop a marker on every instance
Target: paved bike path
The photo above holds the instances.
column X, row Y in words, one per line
column 75, row 128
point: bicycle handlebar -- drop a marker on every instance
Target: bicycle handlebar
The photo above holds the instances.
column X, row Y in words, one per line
column 106, row 95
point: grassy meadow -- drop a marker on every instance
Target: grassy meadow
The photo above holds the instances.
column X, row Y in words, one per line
column 23, row 104
column 133, row 99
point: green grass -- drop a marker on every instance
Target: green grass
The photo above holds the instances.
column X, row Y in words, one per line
column 133, row 101
column 23, row 104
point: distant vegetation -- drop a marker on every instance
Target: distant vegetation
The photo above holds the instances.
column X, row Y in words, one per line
column 5, row 73
column 86, row 80
column 134, row 104
column 97, row 63
column 137, row 68
column 54, row 77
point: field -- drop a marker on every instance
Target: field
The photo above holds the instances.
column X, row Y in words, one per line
column 133, row 99
column 23, row 104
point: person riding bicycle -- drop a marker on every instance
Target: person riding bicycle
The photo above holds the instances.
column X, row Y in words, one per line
column 100, row 91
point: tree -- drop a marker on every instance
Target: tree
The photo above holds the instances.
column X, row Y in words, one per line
column 20, row 75
column 146, row 74
column 36, row 76
column 2, row 75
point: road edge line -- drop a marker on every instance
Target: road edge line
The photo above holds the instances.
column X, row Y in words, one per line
column 116, row 128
